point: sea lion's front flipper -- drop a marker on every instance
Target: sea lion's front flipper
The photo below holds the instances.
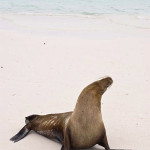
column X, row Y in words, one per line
column 67, row 145
column 104, row 143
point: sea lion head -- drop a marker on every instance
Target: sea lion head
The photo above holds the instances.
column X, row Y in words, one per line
column 91, row 95
column 95, row 90
column 104, row 84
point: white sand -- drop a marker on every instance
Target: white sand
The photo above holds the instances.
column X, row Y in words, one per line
column 38, row 78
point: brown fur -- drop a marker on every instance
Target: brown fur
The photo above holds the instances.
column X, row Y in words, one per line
column 82, row 128
column 85, row 125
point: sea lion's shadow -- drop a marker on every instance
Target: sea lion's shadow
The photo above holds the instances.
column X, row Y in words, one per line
column 56, row 141
column 92, row 148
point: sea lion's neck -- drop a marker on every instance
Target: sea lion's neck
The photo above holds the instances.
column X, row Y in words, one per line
column 88, row 104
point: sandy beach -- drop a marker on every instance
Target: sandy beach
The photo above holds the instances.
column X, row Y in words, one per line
column 45, row 62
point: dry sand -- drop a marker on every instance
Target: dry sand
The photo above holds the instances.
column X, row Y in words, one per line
column 45, row 62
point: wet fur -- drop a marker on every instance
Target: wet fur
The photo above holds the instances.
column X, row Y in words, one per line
column 82, row 128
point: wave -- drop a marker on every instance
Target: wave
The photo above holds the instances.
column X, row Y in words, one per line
column 83, row 7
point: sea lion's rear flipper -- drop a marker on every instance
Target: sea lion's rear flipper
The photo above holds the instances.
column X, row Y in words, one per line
column 21, row 134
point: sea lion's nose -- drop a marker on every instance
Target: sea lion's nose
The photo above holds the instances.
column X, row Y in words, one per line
column 109, row 81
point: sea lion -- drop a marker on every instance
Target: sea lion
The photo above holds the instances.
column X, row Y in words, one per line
column 82, row 128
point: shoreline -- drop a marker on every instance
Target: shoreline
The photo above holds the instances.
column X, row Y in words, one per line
column 75, row 26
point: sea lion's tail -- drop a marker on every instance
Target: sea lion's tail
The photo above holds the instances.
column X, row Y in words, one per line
column 21, row 134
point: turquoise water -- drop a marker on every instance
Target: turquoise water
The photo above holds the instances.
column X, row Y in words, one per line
column 84, row 7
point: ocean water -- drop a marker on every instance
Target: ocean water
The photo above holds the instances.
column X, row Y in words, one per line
column 83, row 7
